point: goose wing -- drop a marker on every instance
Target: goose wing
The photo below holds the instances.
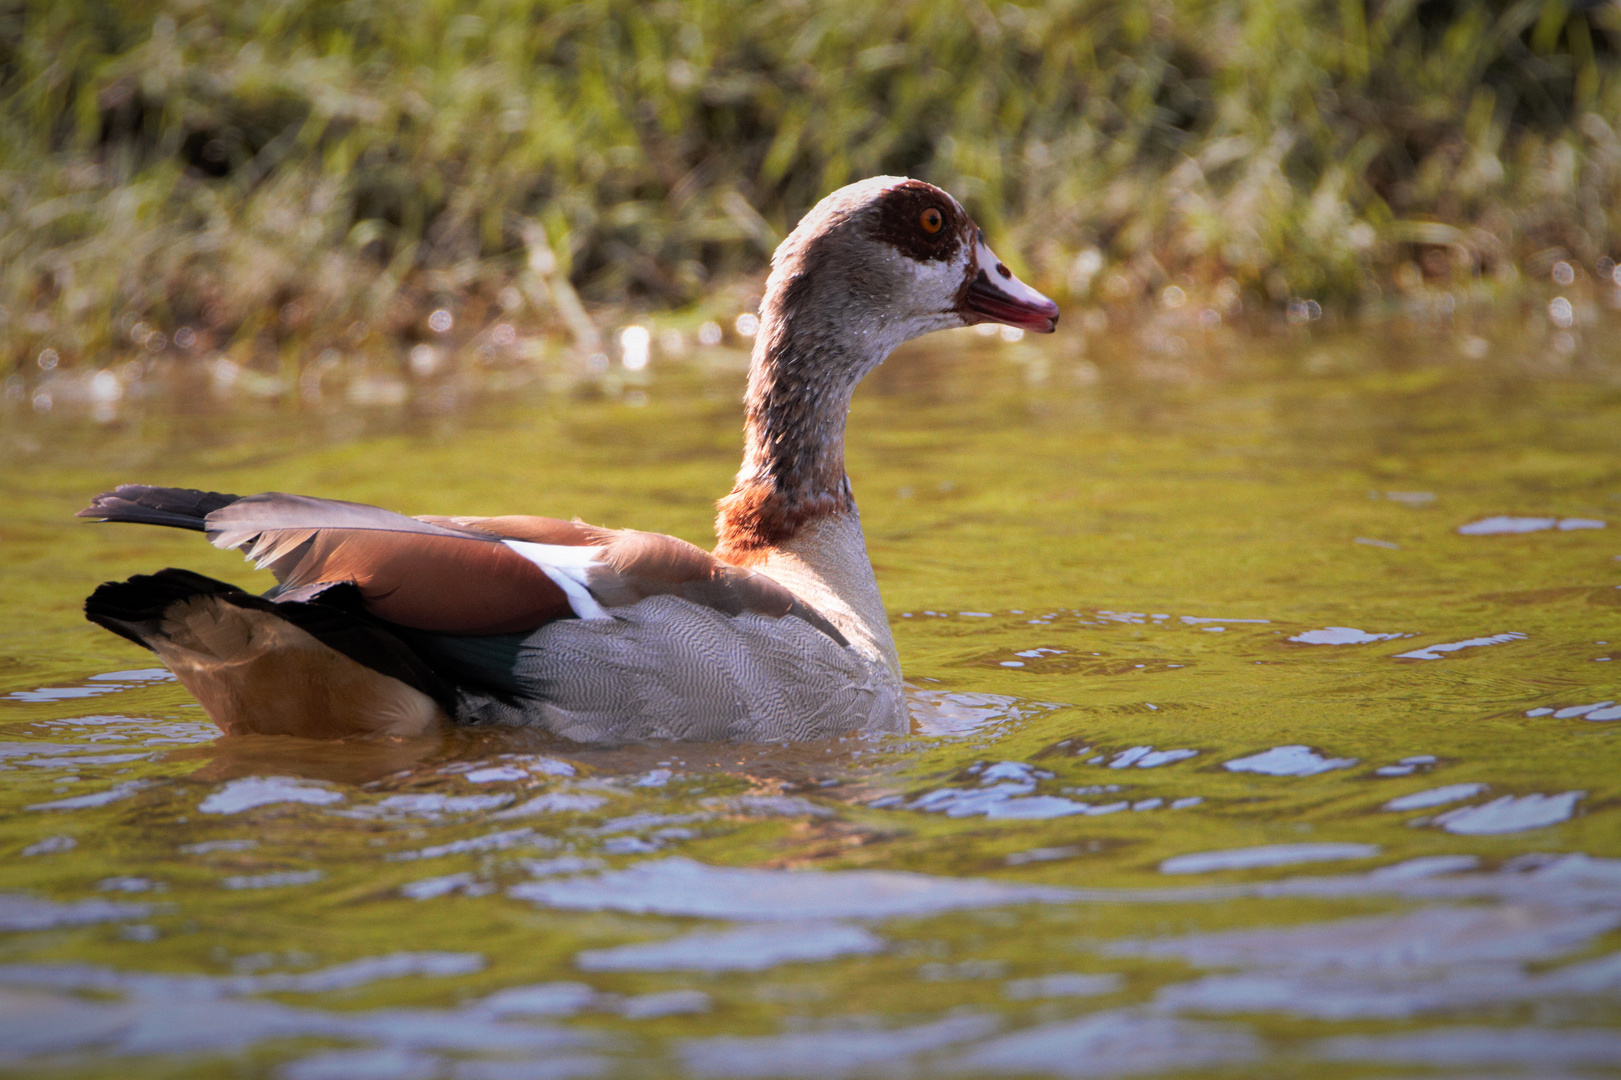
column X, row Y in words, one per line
column 456, row 575
column 410, row 572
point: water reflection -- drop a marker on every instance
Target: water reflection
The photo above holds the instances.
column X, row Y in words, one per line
column 1290, row 854
column 678, row 886
column 1205, row 862
column 748, row 948
column 1460, row 1047
column 1433, row 652
column 1341, row 635
column 148, row 1018
column 1423, row 800
column 1511, row 814
column 1392, row 967
column 256, row 791
column 1125, row 1043
column 1288, row 761
column 1599, row 711
column 1006, row 789
column 94, row 799
column 21, row 912
column 946, row 713
column 837, row 1052
column 1498, row 526
column 110, row 683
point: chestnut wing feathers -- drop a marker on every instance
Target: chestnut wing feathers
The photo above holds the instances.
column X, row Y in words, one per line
column 409, row 572
column 633, row 566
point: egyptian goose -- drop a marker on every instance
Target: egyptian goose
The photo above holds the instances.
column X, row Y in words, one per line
column 382, row 623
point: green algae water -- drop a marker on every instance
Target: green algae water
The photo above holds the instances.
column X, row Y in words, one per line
column 1267, row 721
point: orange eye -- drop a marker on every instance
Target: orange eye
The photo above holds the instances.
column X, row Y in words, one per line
column 931, row 220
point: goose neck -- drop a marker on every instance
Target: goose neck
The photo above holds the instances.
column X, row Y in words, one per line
column 799, row 391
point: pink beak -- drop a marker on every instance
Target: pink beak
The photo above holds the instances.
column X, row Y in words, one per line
column 995, row 295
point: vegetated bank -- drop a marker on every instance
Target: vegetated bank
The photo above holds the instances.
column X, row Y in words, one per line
column 281, row 180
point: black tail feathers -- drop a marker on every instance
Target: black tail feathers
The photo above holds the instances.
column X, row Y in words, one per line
column 179, row 508
column 135, row 609
column 132, row 609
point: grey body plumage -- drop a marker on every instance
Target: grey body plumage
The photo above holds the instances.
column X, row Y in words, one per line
column 666, row 668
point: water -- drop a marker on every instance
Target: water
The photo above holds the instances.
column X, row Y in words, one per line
column 1265, row 725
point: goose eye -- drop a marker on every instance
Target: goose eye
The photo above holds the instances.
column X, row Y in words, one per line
column 931, row 220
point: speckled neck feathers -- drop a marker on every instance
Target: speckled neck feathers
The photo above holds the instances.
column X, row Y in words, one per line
column 833, row 310
column 793, row 457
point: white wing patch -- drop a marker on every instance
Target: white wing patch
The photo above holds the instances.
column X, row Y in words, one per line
column 569, row 567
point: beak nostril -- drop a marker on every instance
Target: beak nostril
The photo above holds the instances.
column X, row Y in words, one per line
column 1003, row 270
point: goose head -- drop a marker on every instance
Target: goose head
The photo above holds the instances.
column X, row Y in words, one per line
column 872, row 265
column 889, row 259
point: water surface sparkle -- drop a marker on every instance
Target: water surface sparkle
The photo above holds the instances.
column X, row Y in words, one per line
column 1257, row 731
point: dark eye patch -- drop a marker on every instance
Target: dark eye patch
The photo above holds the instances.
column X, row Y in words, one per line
column 899, row 222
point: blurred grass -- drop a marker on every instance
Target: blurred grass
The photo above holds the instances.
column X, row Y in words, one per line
column 280, row 177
